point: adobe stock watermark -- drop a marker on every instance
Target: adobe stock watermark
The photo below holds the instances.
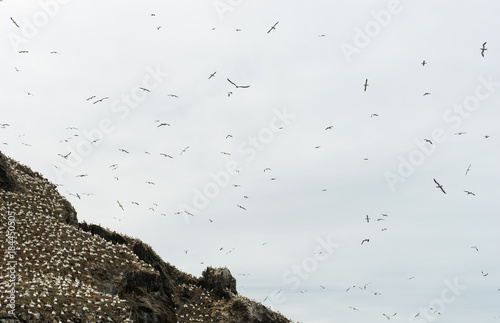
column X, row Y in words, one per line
column 453, row 118
column 248, row 149
column 298, row 273
column 437, row 306
column 121, row 109
column 11, row 263
column 31, row 27
column 372, row 29
column 223, row 6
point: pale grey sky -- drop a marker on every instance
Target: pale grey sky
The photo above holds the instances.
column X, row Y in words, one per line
column 295, row 242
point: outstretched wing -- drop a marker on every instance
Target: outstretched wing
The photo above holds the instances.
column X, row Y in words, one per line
column 232, row 82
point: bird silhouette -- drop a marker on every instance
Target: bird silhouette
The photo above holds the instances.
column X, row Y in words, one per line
column 14, row 22
column 329, row 127
column 366, row 84
column 483, row 49
column 184, row 150
column 212, row 75
column 144, row 89
column 238, row 86
column 423, row 62
column 100, row 100
column 439, row 186
column 65, row 156
column 470, row 193
column 365, row 240
column 273, row 27
column 389, row 317
column 468, row 168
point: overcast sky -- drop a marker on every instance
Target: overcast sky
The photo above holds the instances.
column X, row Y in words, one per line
column 291, row 235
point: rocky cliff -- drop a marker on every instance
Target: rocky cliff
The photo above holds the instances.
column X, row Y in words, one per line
column 55, row 269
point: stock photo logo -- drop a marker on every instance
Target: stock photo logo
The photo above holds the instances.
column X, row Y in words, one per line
column 373, row 28
column 29, row 28
column 248, row 149
column 437, row 306
column 453, row 118
column 297, row 274
column 223, row 6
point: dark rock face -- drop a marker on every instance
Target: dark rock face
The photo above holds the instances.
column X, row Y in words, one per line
column 7, row 182
column 220, row 281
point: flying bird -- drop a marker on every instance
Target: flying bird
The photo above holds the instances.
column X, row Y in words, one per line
column 329, row 127
column 92, row 97
column 367, row 219
column 184, row 150
column 426, row 93
column 267, row 169
column 100, row 100
column 173, row 95
column 484, row 274
column 241, row 207
column 475, row 247
column 373, row 114
column 238, row 86
column 163, row 154
column 123, row 150
column 120, row 205
column 423, row 62
column 365, row 240
column 23, row 52
column 65, row 156
column 483, row 49
column 144, row 89
column 470, row 193
column 273, row 27
column 460, row 133
column 439, row 186
column 427, row 140
column 389, row 317
column 15, row 23
column 468, row 168
column 366, row 84
column 229, row 136
column 212, row 75
column 163, row 124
